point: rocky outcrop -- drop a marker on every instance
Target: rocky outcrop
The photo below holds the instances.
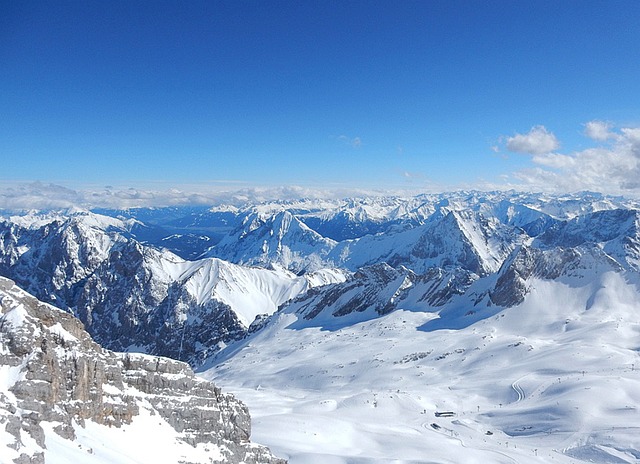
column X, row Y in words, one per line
column 374, row 289
column 514, row 278
column 53, row 376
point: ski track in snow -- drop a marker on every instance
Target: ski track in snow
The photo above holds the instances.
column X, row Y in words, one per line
column 518, row 389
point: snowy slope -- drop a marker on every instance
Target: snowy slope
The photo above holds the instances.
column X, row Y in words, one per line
column 534, row 360
column 554, row 379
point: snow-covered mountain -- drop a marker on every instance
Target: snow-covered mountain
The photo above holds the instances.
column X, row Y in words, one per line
column 448, row 238
column 279, row 238
column 65, row 399
column 135, row 297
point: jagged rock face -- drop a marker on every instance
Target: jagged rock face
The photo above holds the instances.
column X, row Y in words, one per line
column 377, row 290
column 66, row 254
column 116, row 286
column 441, row 285
column 601, row 226
column 217, row 325
column 617, row 230
column 125, row 303
column 549, row 264
column 569, row 251
column 463, row 239
column 602, row 240
column 53, row 372
column 374, row 288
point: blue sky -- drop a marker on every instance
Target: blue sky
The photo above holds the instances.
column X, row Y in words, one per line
column 372, row 94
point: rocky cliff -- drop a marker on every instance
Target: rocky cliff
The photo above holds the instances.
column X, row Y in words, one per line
column 56, row 383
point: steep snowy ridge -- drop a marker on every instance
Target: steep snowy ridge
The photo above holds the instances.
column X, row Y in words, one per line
column 252, row 291
column 514, row 214
column 448, row 238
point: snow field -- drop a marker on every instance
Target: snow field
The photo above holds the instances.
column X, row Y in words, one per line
column 129, row 444
column 556, row 379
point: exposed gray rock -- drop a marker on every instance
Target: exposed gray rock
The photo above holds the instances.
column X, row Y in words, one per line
column 514, row 278
column 378, row 288
column 59, row 375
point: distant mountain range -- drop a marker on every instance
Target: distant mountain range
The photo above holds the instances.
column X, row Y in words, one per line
column 122, row 277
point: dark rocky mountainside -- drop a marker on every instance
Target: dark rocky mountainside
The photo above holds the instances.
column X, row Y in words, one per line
column 133, row 297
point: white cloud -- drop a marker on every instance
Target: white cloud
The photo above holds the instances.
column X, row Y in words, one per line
column 537, row 141
column 599, row 130
column 613, row 168
column 355, row 142
column 38, row 195
column 41, row 196
column 631, row 136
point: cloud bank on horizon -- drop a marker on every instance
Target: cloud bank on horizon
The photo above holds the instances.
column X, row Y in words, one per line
column 611, row 166
column 49, row 196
